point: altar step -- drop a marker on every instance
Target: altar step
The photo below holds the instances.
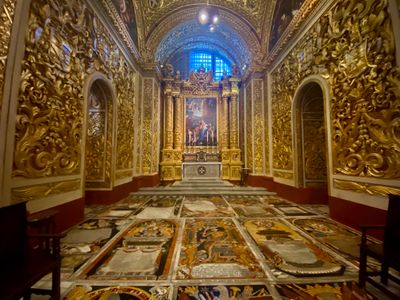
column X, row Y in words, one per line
column 203, row 187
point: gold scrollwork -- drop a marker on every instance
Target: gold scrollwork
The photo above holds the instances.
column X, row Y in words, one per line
column 258, row 127
column 285, row 175
column 6, row 21
column 362, row 187
column 34, row 192
column 353, row 47
column 123, row 174
column 249, row 129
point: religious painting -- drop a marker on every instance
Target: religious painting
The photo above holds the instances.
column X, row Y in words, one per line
column 126, row 12
column 143, row 252
column 119, row 292
column 288, row 253
column 201, row 122
column 249, row 292
column 283, row 15
column 214, row 248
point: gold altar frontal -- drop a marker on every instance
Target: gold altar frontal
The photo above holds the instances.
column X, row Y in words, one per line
column 201, row 124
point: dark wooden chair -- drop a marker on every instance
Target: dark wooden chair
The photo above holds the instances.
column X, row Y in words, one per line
column 387, row 253
column 23, row 262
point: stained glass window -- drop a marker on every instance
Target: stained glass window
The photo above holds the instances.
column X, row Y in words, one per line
column 209, row 61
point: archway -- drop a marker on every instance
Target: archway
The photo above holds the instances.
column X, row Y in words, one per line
column 310, row 138
column 99, row 135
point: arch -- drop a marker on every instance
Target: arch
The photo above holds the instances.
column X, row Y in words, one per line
column 99, row 132
column 241, row 33
column 310, row 110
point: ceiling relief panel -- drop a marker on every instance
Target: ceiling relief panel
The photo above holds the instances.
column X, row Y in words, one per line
column 256, row 30
column 251, row 10
column 190, row 35
column 180, row 28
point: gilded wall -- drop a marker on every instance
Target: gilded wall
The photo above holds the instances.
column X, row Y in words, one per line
column 249, row 128
column 266, row 126
column 352, row 47
column 155, row 129
column 138, row 161
column 258, row 126
column 65, row 43
column 6, row 20
column 147, row 125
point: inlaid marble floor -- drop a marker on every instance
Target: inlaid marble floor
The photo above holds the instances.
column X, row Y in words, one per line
column 210, row 247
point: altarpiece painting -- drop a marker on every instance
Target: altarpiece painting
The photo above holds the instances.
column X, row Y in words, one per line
column 201, row 122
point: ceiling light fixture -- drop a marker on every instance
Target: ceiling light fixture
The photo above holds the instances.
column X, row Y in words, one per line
column 208, row 16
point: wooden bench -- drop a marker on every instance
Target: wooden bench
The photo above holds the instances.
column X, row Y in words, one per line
column 26, row 258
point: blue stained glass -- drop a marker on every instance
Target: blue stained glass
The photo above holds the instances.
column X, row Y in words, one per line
column 209, row 61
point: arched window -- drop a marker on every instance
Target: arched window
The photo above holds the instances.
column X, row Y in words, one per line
column 210, row 61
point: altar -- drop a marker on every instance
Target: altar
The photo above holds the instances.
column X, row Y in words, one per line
column 201, row 128
column 201, row 170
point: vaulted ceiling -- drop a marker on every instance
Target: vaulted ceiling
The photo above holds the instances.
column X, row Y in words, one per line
column 248, row 31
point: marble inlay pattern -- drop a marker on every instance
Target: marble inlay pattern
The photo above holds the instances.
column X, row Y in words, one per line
column 214, row 248
column 290, row 254
column 222, row 246
column 206, row 206
column 338, row 237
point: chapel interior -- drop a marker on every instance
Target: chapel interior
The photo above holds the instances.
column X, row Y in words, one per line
column 211, row 149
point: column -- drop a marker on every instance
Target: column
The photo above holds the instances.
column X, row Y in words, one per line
column 234, row 137
column 178, row 123
column 225, row 132
column 169, row 113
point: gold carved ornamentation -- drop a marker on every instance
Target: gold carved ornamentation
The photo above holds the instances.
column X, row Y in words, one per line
column 200, row 81
column 138, row 161
column 352, row 46
column 284, row 175
column 258, row 126
column 125, row 82
column 50, row 112
column 156, row 128
column 178, row 130
column 34, row 192
column 266, row 126
column 123, row 174
column 147, row 135
column 314, row 150
column 249, row 127
column 6, row 20
column 362, row 187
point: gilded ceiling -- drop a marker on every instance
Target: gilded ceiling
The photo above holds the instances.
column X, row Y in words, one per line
column 248, row 31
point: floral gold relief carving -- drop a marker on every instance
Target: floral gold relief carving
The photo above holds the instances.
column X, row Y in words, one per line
column 44, row 190
column 361, row 187
column 314, row 150
column 49, row 113
column 258, row 127
column 266, row 126
column 285, row 175
column 249, row 129
column 125, row 82
column 155, row 129
column 147, row 145
column 6, row 16
column 352, row 46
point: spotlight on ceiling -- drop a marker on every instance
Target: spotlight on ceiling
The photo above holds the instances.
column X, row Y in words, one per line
column 209, row 16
